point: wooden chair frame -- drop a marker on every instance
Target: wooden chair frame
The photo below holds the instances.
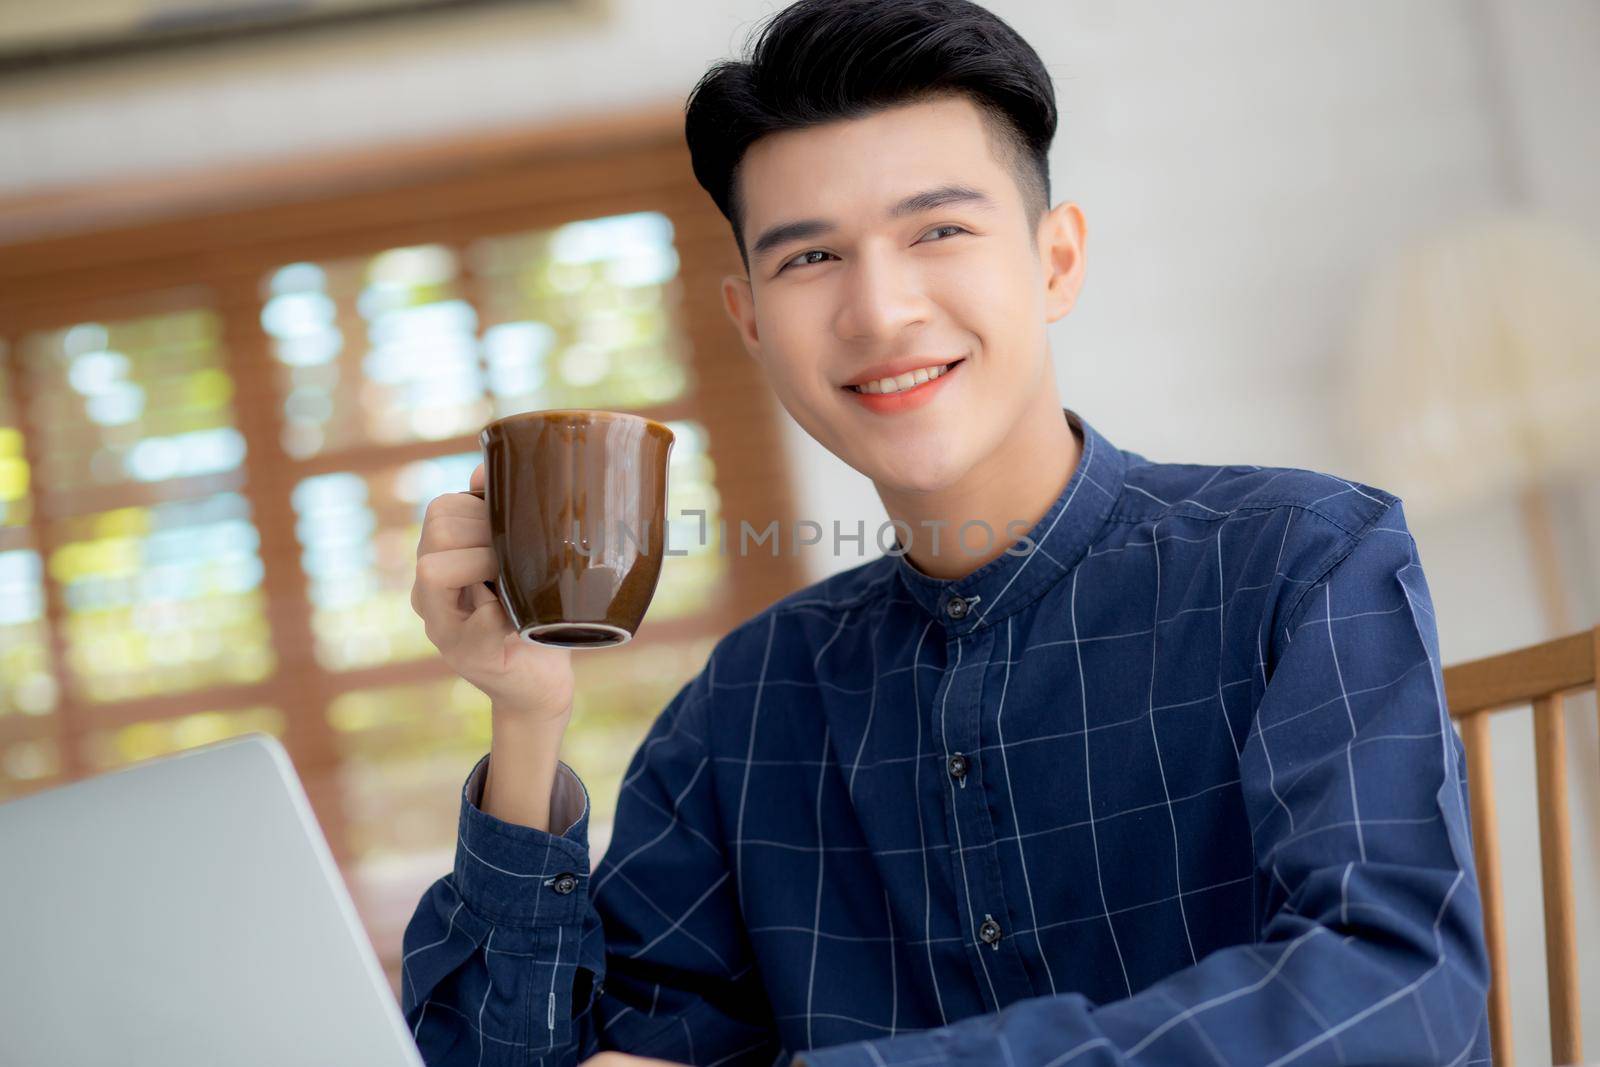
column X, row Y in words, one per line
column 1542, row 675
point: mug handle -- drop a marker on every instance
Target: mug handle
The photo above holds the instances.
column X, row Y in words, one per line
column 495, row 589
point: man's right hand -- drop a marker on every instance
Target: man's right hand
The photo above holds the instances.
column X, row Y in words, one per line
column 466, row 623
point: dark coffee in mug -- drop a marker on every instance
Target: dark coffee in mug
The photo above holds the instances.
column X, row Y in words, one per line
column 577, row 513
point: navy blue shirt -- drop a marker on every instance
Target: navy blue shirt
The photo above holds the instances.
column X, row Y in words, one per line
column 1178, row 785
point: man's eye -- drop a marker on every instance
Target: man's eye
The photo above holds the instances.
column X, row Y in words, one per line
column 801, row 261
column 797, row 260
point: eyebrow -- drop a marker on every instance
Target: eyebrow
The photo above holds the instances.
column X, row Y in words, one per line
column 783, row 233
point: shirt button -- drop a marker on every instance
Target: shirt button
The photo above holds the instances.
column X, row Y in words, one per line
column 957, row 766
column 989, row 932
column 565, row 883
column 956, row 607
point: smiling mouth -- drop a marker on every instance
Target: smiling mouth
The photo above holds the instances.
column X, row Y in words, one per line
column 901, row 383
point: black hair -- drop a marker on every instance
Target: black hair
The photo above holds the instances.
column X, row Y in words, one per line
column 819, row 61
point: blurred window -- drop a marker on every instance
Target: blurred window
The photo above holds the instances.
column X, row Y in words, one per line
column 144, row 399
column 212, row 488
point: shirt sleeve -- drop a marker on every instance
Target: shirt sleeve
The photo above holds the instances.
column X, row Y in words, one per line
column 491, row 955
column 1369, row 945
column 522, row 955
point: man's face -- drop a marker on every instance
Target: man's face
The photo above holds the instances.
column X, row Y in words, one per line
column 958, row 292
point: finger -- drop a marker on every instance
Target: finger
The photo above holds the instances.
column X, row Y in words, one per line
column 487, row 623
column 450, row 530
column 453, row 505
column 442, row 575
column 476, row 481
column 479, row 594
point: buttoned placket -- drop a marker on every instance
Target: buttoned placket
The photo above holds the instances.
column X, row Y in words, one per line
column 972, row 613
column 958, row 715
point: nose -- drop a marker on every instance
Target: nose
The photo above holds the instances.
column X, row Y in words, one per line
column 881, row 297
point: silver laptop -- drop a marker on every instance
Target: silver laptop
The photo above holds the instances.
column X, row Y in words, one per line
column 185, row 911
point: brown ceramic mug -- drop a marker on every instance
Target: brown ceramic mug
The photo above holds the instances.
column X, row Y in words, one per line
column 577, row 515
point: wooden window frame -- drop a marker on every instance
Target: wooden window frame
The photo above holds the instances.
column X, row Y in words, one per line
column 114, row 250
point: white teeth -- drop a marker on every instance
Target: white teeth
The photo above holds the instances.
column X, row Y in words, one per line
column 902, row 381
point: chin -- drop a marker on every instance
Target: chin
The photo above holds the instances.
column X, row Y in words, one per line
column 910, row 472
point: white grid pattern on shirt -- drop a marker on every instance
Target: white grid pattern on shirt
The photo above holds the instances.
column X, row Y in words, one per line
column 1282, row 801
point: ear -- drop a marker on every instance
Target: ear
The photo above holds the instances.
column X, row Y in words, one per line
column 1062, row 233
column 738, row 299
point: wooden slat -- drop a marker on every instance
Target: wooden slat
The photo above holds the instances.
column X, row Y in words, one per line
column 20, row 727
column 1513, row 678
column 1555, row 861
column 15, row 537
column 368, row 458
column 113, row 714
column 68, row 705
column 1541, row 675
column 1486, row 849
column 14, row 789
column 58, row 504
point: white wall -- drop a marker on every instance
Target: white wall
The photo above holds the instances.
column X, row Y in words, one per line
column 1241, row 167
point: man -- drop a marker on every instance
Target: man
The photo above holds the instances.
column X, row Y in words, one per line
column 1158, row 771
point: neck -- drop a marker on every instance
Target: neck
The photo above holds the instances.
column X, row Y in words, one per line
column 1013, row 486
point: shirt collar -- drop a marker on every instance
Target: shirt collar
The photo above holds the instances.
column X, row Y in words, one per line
column 1060, row 538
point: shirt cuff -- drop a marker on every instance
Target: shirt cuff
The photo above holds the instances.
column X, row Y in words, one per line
column 517, row 875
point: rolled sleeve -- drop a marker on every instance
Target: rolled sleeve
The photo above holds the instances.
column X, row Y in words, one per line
column 495, row 950
column 512, row 875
